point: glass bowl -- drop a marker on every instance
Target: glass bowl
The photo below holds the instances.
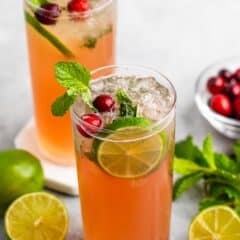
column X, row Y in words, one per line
column 229, row 127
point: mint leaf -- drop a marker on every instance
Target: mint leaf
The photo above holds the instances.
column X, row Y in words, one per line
column 127, row 107
column 209, row 202
column 232, row 193
column 208, row 152
column 62, row 104
column 223, row 162
column 185, row 183
column 236, row 149
column 76, row 79
column 90, row 42
column 72, row 75
column 187, row 150
column 184, row 166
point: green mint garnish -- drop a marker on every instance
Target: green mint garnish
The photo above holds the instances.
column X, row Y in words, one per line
column 90, row 42
column 219, row 173
column 76, row 79
column 127, row 108
column 47, row 35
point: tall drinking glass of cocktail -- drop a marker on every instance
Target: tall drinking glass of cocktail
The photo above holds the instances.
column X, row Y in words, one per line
column 57, row 30
column 124, row 151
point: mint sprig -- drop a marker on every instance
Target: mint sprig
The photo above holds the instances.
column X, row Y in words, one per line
column 219, row 173
column 127, row 108
column 75, row 78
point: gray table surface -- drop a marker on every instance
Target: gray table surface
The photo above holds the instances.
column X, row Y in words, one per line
column 178, row 37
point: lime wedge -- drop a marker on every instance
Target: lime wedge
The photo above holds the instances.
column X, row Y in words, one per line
column 37, row 216
column 50, row 37
column 215, row 223
column 129, row 159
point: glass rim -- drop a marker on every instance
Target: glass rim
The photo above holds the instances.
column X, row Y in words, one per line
column 96, row 9
column 153, row 128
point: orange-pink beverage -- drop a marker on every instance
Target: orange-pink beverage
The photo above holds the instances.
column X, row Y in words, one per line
column 88, row 38
column 125, row 170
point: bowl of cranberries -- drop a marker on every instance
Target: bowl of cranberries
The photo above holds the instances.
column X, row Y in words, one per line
column 218, row 96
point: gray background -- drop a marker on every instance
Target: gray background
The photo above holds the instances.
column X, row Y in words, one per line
column 178, row 37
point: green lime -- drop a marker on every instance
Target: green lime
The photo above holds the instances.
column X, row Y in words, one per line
column 137, row 156
column 37, row 216
column 21, row 173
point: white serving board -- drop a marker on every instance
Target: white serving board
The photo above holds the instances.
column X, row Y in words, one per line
column 58, row 178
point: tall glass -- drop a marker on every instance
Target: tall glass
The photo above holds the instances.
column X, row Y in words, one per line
column 133, row 201
column 88, row 38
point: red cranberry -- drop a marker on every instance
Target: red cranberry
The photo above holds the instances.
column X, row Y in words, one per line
column 237, row 74
column 216, row 85
column 221, row 104
column 104, row 103
column 225, row 74
column 48, row 13
column 90, row 119
column 78, row 6
column 233, row 90
column 236, row 108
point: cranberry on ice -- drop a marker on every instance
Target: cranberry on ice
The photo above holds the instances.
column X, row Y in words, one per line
column 104, row 103
column 48, row 13
column 78, row 6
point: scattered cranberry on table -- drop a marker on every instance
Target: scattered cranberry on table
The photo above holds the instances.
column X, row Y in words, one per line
column 48, row 13
column 91, row 124
column 104, row 103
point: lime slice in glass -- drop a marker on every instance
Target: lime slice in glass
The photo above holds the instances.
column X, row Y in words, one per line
column 129, row 159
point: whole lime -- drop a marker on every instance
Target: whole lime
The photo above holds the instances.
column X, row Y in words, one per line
column 20, row 173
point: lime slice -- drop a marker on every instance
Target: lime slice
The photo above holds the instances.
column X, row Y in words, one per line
column 37, row 216
column 129, row 159
column 50, row 37
column 215, row 223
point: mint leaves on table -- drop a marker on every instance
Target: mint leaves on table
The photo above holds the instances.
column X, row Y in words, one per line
column 127, row 108
column 219, row 173
column 76, row 79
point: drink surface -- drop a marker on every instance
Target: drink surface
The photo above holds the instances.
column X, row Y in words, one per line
column 116, row 204
column 90, row 41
